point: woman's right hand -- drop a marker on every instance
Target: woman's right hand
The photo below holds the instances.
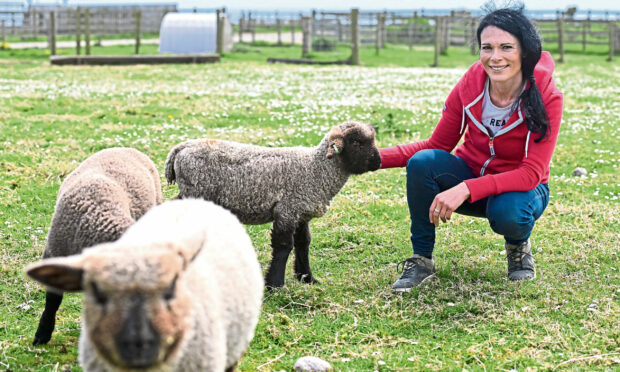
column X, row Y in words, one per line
column 447, row 202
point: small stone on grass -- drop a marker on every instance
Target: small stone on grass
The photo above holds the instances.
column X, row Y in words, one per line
column 578, row 172
column 311, row 363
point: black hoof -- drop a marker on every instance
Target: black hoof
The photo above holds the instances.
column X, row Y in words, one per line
column 41, row 339
column 305, row 278
column 271, row 286
column 271, row 289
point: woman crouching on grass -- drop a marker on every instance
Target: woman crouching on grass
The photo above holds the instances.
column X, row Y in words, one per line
column 509, row 110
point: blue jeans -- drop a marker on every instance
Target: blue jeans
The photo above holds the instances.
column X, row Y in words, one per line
column 429, row 172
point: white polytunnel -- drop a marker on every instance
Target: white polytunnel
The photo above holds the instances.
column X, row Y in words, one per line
column 192, row 33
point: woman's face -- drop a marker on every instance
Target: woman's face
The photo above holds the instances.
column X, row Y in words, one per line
column 500, row 54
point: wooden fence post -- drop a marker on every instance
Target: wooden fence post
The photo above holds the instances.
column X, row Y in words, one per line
column 78, row 31
column 384, row 30
column 292, row 22
column 413, row 29
column 378, row 36
column 474, row 39
column 2, row 31
column 138, row 19
column 117, row 19
column 445, row 33
column 612, row 40
column 252, row 23
column 219, row 43
column 585, row 29
column 51, row 37
column 355, row 36
column 13, row 24
column 560, row 37
column 241, row 26
column 313, row 21
column 279, row 28
column 218, row 33
column 101, row 13
column 437, row 41
column 410, row 33
column 34, row 23
column 41, row 26
column 87, row 30
column 339, row 24
column 306, row 30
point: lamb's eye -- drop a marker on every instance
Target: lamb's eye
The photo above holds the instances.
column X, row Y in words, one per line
column 169, row 292
column 100, row 297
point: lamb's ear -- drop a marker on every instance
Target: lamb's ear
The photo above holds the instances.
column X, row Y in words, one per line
column 64, row 274
column 336, row 143
column 189, row 250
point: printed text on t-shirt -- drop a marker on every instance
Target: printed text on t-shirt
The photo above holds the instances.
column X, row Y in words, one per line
column 497, row 122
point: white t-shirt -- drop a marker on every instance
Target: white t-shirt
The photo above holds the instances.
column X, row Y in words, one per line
column 493, row 117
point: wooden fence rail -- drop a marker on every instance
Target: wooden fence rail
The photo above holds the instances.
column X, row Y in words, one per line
column 9, row 20
column 103, row 21
column 352, row 28
column 456, row 29
column 248, row 24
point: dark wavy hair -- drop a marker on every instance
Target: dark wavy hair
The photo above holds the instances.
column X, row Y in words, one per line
column 513, row 21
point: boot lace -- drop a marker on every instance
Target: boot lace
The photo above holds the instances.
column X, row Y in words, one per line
column 407, row 265
column 516, row 256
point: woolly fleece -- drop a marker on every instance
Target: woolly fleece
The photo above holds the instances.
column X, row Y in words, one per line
column 288, row 186
column 96, row 203
column 205, row 254
column 100, row 199
column 259, row 184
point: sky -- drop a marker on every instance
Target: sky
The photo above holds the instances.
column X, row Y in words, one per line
column 612, row 5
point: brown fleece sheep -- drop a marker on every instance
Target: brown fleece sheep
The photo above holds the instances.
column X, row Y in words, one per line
column 96, row 203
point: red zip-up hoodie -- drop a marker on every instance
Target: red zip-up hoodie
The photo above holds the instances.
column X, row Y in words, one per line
column 508, row 161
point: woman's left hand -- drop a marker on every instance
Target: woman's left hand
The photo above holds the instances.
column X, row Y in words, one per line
column 447, row 202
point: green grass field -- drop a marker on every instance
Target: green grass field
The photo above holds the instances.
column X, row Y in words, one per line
column 470, row 317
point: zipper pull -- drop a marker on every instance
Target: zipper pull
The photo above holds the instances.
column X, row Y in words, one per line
column 491, row 146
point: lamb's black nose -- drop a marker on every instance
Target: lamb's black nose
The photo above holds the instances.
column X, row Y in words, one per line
column 138, row 342
column 375, row 162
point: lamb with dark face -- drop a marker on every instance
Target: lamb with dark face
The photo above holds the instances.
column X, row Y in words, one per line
column 162, row 297
column 359, row 152
column 287, row 186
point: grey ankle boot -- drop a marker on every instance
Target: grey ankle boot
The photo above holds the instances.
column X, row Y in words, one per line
column 520, row 261
column 416, row 270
